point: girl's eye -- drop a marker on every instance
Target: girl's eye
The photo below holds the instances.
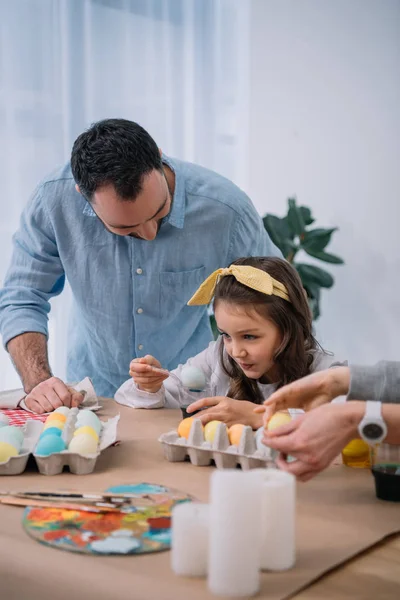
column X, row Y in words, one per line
column 248, row 336
column 224, row 335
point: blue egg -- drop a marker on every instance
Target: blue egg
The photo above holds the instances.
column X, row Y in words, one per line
column 49, row 444
column 13, row 435
column 51, row 431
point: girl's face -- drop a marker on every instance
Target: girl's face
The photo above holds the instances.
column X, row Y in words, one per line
column 250, row 339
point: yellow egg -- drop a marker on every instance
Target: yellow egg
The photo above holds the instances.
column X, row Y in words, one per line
column 356, row 448
column 7, row 451
column 88, row 430
column 55, row 416
column 54, row 423
column 210, row 430
column 278, row 419
column 235, row 433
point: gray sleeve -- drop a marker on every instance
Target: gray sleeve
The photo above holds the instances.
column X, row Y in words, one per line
column 380, row 382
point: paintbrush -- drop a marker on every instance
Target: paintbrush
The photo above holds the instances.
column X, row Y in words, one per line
column 66, row 505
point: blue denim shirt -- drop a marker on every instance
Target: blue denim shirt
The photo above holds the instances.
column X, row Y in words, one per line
column 129, row 295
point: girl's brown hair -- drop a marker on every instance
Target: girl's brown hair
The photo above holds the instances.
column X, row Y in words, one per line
column 295, row 353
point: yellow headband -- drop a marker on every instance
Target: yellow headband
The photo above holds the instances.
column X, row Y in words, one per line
column 256, row 279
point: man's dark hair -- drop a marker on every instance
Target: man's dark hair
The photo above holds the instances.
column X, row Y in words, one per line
column 114, row 152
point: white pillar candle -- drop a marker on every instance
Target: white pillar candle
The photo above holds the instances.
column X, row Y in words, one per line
column 234, row 547
column 189, row 540
column 278, row 505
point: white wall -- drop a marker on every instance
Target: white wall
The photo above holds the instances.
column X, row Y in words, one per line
column 325, row 126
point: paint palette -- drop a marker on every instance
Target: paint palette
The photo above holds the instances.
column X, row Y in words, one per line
column 143, row 527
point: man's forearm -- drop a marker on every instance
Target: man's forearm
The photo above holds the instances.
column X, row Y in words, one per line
column 28, row 352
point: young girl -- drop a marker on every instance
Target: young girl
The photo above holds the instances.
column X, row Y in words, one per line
column 266, row 341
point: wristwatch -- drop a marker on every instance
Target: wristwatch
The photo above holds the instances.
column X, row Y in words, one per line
column 372, row 428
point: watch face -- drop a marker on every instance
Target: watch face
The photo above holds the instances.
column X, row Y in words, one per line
column 373, row 431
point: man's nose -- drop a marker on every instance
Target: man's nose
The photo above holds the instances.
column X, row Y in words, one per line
column 147, row 231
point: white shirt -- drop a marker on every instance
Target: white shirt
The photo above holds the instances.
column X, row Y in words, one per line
column 172, row 394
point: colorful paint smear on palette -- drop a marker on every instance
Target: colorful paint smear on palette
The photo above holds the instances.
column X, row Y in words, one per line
column 144, row 527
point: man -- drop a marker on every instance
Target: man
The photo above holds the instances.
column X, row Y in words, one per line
column 134, row 233
column 318, row 436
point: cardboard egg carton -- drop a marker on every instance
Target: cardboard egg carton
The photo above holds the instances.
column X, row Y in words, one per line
column 55, row 463
column 250, row 453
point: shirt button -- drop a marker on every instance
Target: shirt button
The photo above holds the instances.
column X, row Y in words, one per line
column 140, row 347
column 139, row 271
column 139, row 311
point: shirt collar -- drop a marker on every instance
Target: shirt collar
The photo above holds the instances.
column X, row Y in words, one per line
column 176, row 216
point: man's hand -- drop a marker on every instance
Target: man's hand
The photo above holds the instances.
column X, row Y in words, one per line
column 51, row 394
column 147, row 373
column 307, row 393
column 227, row 410
column 315, row 438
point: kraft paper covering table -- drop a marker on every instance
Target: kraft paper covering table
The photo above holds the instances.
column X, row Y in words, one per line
column 338, row 517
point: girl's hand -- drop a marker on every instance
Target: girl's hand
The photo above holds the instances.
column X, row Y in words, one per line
column 227, row 410
column 307, row 393
column 147, row 373
column 315, row 438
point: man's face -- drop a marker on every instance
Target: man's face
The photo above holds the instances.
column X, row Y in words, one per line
column 142, row 217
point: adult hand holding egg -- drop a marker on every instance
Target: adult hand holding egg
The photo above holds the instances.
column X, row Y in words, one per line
column 51, row 394
column 147, row 373
column 227, row 410
column 309, row 392
column 314, row 438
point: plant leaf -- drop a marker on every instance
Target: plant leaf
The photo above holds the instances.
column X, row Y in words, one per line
column 317, row 239
column 295, row 218
column 279, row 233
column 325, row 256
column 306, row 214
column 311, row 274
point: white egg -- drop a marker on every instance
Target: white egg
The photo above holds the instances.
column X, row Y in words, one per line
column 64, row 410
column 83, row 444
column 193, row 378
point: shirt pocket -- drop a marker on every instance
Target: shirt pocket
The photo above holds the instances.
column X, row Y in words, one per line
column 176, row 289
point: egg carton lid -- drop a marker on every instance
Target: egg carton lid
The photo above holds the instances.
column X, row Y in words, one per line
column 249, row 453
column 54, row 463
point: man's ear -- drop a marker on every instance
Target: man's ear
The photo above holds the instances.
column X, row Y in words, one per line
column 77, row 188
column 160, row 151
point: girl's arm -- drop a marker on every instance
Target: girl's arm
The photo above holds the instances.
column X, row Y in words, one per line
column 171, row 394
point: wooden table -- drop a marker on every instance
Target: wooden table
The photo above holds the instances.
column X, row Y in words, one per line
column 338, row 515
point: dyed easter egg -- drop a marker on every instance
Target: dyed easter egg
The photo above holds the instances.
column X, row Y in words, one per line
column 51, row 431
column 278, row 419
column 49, row 444
column 193, row 378
column 88, row 430
column 7, row 451
column 56, row 417
column 185, row 426
column 4, row 420
column 210, row 429
column 12, row 435
column 87, row 417
column 235, row 433
column 54, row 423
column 83, row 444
column 62, row 410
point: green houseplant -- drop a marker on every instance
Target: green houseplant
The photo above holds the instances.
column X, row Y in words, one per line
column 293, row 233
